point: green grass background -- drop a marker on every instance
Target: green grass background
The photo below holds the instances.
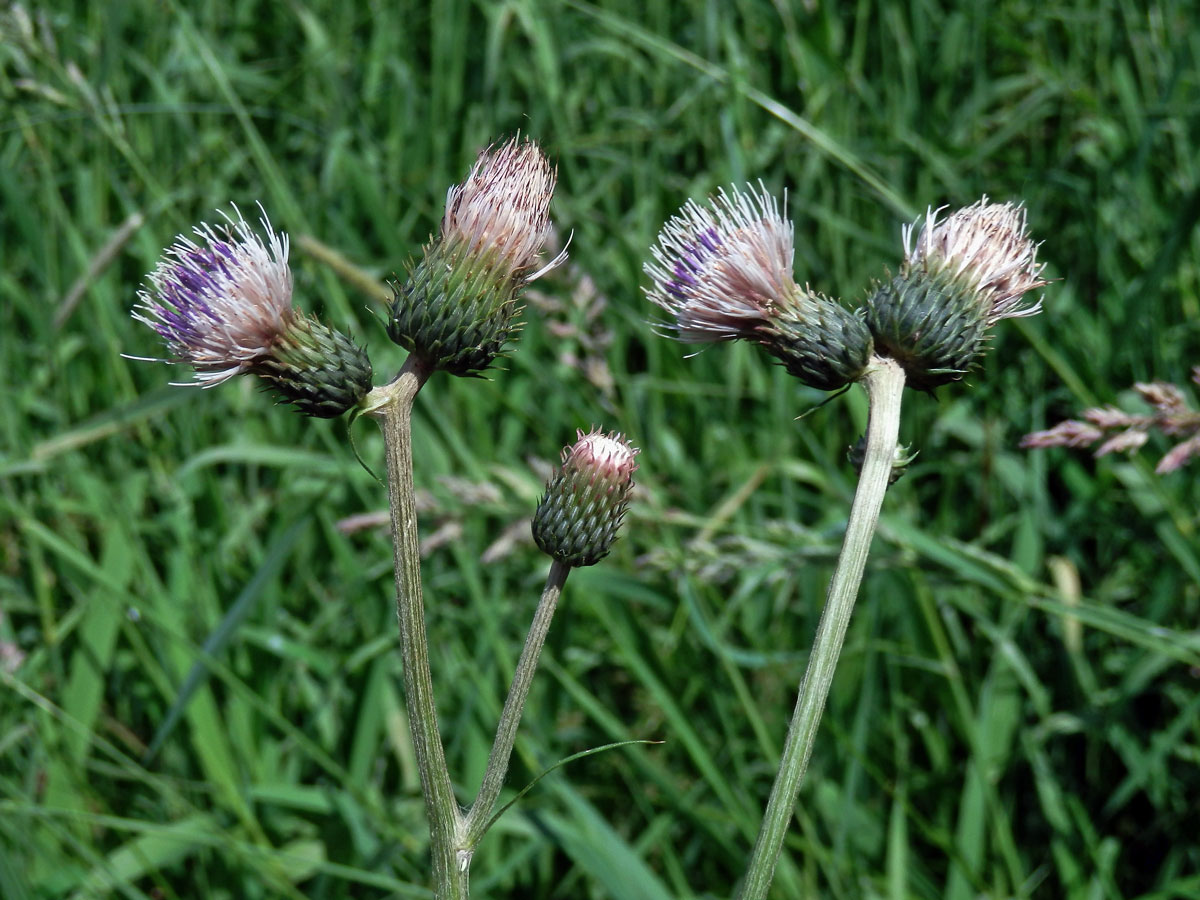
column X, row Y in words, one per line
column 209, row 700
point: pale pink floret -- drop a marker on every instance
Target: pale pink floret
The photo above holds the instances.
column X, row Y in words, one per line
column 608, row 456
column 220, row 305
column 503, row 207
column 987, row 244
column 719, row 269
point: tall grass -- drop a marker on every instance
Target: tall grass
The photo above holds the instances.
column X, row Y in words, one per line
column 209, row 702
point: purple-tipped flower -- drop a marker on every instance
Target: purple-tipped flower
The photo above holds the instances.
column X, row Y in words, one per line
column 724, row 272
column 960, row 276
column 578, row 517
column 220, row 307
column 458, row 306
column 224, row 307
column 720, row 268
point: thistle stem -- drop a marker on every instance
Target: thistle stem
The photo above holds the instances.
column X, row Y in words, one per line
column 392, row 404
column 506, row 732
column 884, row 383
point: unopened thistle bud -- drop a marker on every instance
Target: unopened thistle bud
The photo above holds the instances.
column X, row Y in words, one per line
column 902, row 457
column 225, row 308
column 961, row 277
column 724, row 271
column 578, row 517
column 458, row 307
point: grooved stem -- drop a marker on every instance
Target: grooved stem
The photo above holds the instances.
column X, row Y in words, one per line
column 884, row 383
column 477, row 818
column 392, row 405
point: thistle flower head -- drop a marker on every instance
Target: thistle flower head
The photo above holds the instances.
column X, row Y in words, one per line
column 988, row 247
column 720, row 268
column 724, row 271
column 219, row 305
column 578, row 517
column 225, row 308
column 458, row 306
column 502, row 211
column 960, row 276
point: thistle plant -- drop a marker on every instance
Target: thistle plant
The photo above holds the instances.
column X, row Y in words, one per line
column 224, row 307
column 723, row 270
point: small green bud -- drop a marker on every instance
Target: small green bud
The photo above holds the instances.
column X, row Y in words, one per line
column 457, row 308
column 902, row 456
column 578, row 517
column 963, row 276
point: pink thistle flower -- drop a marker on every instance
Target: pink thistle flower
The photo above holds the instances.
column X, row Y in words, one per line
column 720, row 269
column 724, row 272
column 457, row 308
column 224, row 307
column 988, row 246
column 502, row 210
column 961, row 276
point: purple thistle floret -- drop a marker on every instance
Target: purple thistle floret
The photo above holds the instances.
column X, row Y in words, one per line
column 721, row 268
column 219, row 308
column 690, row 265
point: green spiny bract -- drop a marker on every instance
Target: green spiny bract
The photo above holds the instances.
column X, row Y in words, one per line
column 823, row 344
column 929, row 322
column 456, row 311
column 318, row 370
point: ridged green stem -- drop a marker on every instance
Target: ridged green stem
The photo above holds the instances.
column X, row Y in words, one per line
column 506, row 732
column 884, row 382
column 392, row 405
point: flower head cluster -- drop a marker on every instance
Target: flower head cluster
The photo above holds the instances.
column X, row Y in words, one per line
column 961, row 276
column 224, row 307
column 458, row 306
column 1125, row 432
column 724, row 272
column 578, row 517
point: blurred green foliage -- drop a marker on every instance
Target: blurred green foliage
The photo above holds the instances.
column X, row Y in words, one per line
column 200, row 683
